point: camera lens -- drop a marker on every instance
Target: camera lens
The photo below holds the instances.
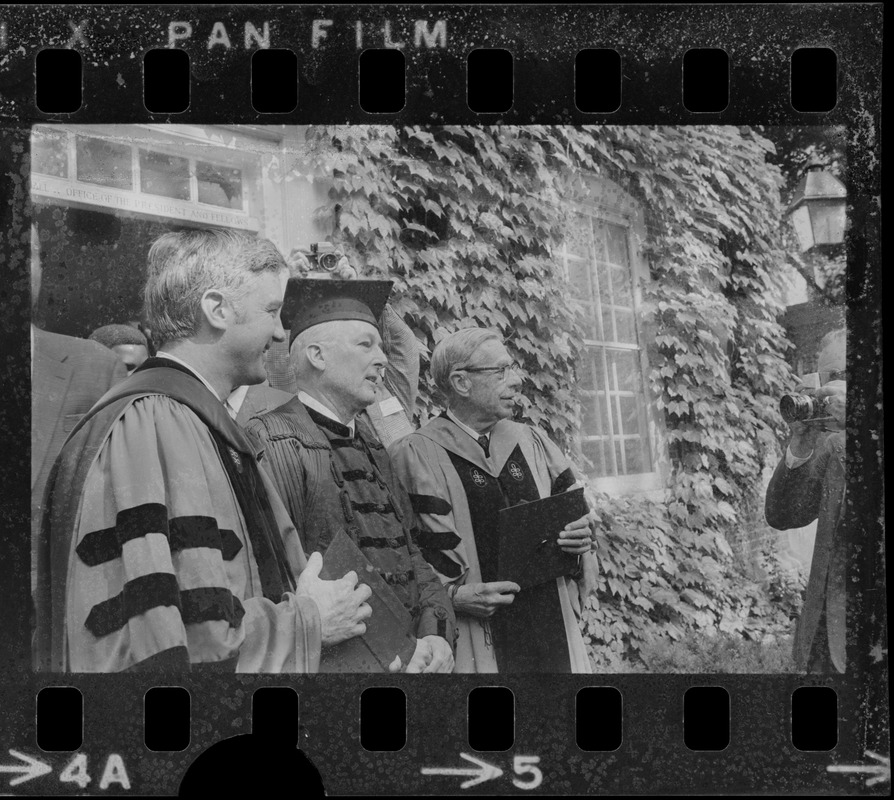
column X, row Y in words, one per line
column 328, row 261
column 797, row 407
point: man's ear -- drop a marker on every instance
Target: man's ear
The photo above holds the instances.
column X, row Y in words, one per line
column 316, row 355
column 460, row 383
column 217, row 310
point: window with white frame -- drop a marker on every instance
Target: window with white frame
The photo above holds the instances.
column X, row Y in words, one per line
column 173, row 178
column 615, row 438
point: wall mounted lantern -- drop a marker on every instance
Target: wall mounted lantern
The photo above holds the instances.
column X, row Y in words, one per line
column 817, row 210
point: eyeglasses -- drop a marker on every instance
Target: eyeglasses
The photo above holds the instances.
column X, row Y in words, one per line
column 500, row 372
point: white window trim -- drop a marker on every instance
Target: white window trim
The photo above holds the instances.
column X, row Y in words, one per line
column 56, row 188
column 652, row 482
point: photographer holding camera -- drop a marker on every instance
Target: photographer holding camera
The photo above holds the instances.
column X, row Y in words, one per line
column 809, row 484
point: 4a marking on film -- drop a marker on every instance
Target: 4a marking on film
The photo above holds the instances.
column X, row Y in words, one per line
column 75, row 770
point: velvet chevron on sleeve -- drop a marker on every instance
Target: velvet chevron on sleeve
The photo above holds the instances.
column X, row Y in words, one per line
column 164, row 571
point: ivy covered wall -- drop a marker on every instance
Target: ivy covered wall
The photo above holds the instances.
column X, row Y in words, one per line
column 467, row 221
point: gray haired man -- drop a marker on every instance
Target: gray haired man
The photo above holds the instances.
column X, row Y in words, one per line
column 166, row 546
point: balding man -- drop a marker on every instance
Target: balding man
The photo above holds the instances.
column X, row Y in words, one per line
column 809, row 484
column 332, row 472
column 128, row 343
column 167, row 547
column 460, row 470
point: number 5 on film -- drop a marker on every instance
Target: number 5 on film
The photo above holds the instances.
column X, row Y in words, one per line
column 527, row 766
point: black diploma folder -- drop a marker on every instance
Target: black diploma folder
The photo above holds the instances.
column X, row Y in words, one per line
column 388, row 630
column 528, row 553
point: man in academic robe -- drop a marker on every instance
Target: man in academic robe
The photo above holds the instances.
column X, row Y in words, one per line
column 809, row 484
column 390, row 415
column 332, row 473
column 460, row 469
column 165, row 545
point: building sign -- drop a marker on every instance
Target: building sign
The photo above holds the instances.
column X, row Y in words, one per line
column 125, row 177
column 46, row 188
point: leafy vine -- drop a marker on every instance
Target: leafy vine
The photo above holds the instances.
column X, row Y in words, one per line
column 466, row 220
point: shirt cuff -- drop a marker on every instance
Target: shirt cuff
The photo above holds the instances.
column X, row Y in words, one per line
column 792, row 461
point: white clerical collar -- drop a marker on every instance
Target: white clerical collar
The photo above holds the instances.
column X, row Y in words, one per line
column 316, row 405
column 235, row 400
column 190, row 367
column 463, row 427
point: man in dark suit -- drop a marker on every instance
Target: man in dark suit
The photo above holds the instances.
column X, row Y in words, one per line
column 810, row 484
column 68, row 376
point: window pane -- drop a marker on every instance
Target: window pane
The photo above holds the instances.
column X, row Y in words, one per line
column 167, row 176
column 586, row 377
column 625, row 365
column 608, row 324
column 599, row 246
column 616, row 238
column 592, row 451
column 625, row 329
column 619, row 458
column 577, row 237
column 614, row 436
column 579, row 278
column 589, row 418
column 49, row 152
column 629, row 414
column 621, row 295
column 633, row 450
column 103, row 162
column 219, row 186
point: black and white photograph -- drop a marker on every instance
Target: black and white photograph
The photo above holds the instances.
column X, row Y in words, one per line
column 446, row 399
column 395, row 335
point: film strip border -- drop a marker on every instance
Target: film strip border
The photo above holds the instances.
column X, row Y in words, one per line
column 698, row 64
column 651, row 44
column 662, row 734
column 382, row 78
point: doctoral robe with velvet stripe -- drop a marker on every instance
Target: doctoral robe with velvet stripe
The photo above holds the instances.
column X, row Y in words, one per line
column 456, row 491
column 332, row 480
column 162, row 570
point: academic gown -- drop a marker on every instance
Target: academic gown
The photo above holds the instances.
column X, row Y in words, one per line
column 457, row 491
column 155, row 561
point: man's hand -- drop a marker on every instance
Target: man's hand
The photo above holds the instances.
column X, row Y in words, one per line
column 342, row 603
column 832, row 399
column 432, row 654
column 483, row 599
column 833, row 396
column 577, row 537
column 343, row 270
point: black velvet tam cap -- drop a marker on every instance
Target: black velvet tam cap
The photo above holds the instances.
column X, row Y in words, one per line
column 311, row 301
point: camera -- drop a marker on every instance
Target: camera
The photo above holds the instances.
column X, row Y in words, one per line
column 800, row 407
column 320, row 260
column 325, row 256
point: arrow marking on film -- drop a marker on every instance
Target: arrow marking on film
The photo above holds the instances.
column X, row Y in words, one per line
column 32, row 768
column 482, row 772
column 881, row 772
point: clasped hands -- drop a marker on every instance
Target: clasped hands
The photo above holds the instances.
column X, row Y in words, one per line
column 343, row 609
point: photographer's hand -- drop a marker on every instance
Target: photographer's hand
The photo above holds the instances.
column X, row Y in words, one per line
column 833, row 396
column 832, row 399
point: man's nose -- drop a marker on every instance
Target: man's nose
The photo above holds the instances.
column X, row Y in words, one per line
column 380, row 358
column 279, row 332
column 515, row 380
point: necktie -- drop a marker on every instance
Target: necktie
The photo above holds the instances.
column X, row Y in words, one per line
column 484, row 441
